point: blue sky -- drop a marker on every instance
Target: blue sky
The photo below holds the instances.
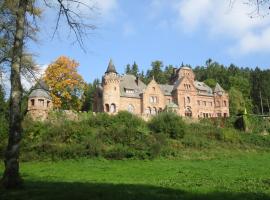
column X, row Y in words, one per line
column 173, row 31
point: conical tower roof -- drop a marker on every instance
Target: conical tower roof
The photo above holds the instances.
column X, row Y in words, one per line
column 218, row 88
column 111, row 67
column 41, row 89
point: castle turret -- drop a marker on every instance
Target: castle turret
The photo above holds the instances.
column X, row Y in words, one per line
column 39, row 102
column 111, row 89
column 183, row 71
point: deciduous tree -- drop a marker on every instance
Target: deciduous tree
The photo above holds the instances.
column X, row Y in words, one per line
column 65, row 83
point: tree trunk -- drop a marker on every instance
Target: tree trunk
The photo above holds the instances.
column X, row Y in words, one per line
column 11, row 177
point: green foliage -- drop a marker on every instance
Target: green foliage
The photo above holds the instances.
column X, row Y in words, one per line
column 210, row 82
column 89, row 91
column 126, row 136
column 237, row 103
column 168, row 123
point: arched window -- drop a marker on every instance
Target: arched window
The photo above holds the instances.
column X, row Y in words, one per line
column 113, row 108
column 188, row 112
column 154, row 111
column 225, row 103
column 107, row 108
column 217, row 103
column 188, row 99
column 130, row 108
column 148, row 110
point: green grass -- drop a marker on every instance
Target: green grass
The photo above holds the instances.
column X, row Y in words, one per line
column 242, row 176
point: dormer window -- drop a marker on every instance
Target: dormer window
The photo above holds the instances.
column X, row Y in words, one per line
column 129, row 91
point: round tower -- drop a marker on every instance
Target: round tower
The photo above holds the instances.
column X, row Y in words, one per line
column 39, row 102
column 111, row 89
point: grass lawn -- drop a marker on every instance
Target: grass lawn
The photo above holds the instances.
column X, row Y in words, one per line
column 245, row 176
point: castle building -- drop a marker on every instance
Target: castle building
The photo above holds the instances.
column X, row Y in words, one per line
column 39, row 102
column 184, row 95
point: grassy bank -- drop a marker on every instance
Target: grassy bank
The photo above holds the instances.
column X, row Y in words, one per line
column 125, row 136
column 240, row 176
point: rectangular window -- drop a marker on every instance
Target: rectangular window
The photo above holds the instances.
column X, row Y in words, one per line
column 41, row 102
column 32, row 102
column 153, row 99
column 199, row 102
column 204, row 103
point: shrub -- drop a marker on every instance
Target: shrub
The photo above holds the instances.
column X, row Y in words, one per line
column 168, row 123
column 229, row 135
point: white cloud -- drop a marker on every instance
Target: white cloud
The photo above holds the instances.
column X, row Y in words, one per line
column 191, row 13
column 29, row 81
column 106, row 6
column 219, row 19
column 253, row 43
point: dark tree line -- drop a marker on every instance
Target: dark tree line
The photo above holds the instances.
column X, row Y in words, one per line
column 248, row 88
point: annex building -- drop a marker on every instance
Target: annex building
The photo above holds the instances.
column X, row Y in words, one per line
column 184, row 95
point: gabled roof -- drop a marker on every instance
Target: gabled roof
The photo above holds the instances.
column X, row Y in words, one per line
column 177, row 83
column 218, row 88
column 130, row 82
column 111, row 67
column 203, row 88
column 167, row 89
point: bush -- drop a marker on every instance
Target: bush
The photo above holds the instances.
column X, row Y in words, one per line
column 168, row 123
column 228, row 135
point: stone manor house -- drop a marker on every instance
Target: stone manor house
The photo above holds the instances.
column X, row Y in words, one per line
column 184, row 95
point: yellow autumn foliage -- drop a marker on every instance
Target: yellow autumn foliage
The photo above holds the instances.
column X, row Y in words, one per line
column 65, row 83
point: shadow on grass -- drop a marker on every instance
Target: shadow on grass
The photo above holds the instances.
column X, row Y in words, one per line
column 103, row 191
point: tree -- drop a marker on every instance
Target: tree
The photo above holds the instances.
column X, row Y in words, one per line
column 135, row 69
column 89, row 91
column 65, row 84
column 128, row 70
column 156, row 72
column 237, row 103
column 210, row 82
column 22, row 10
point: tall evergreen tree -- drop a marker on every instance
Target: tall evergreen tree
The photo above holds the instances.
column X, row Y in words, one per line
column 135, row 69
column 128, row 70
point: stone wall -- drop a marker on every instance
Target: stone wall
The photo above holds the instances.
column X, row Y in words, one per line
column 127, row 103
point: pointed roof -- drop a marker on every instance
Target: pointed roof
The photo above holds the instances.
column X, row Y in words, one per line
column 111, row 67
column 41, row 90
column 218, row 88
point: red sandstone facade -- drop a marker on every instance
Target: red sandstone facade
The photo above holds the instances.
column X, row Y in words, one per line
column 185, row 96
